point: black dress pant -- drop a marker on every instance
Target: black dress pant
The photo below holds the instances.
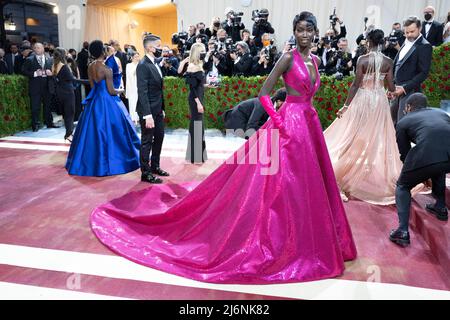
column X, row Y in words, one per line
column 408, row 180
column 151, row 142
column 37, row 99
column 196, row 150
column 66, row 100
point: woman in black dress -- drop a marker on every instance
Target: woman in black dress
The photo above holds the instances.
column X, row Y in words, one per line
column 64, row 89
column 195, row 78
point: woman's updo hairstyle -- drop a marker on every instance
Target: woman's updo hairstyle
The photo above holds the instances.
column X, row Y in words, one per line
column 96, row 49
column 305, row 16
column 376, row 37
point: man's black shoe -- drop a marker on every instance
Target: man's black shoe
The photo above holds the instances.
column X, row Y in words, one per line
column 160, row 172
column 148, row 177
column 400, row 238
column 440, row 213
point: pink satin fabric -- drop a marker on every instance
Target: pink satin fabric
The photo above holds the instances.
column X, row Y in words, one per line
column 241, row 226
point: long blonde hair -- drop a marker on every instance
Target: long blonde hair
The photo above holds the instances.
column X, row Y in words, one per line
column 194, row 56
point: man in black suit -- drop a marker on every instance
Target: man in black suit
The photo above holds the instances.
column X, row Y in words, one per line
column 38, row 68
column 150, row 109
column 429, row 130
column 83, row 63
column 3, row 65
column 432, row 30
column 11, row 57
column 248, row 116
column 411, row 66
column 242, row 60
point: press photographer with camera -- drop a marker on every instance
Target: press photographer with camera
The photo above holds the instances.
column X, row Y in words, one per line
column 168, row 62
column 246, row 37
column 242, row 59
column 180, row 40
column 327, row 54
column 217, row 61
column 394, row 42
column 343, row 60
column 336, row 32
column 233, row 25
column 213, row 28
column 264, row 63
column 261, row 26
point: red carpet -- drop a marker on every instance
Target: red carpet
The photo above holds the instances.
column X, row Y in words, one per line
column 43, row 207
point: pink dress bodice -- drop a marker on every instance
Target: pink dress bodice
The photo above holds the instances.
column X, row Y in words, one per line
column 298, row 77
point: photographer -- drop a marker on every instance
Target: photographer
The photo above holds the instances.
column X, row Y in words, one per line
column 217, row 62
column 169, row 63
column 394, row 42
column 246, row 37
column 233, row 25
column 242, row 60
column 343, row 60
column 336, row 32
column 327, row 55
column 201, row 28
column 264, row 63
column 212, row 30
column 261, row 26
column 192, row 35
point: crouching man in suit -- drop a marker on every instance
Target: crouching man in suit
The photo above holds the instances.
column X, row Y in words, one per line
column 429, row 130
column 248, row 116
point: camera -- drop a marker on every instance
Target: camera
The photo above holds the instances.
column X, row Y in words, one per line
column 292, row 43
column 269, row 52
column 260, row 16
column 394, row 38
column 236, row 18
column 334, row 18
column 178, row 37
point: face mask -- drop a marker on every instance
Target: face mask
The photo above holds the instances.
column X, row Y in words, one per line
column 216, row 24
column 266, row 43
column 222, row 39
column 202, row 56
column 158, row 52
column 428, row 16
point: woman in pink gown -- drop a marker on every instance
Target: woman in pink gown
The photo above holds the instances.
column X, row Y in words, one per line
column 250, row 222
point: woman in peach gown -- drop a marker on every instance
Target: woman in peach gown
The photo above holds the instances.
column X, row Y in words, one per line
column 362, row 141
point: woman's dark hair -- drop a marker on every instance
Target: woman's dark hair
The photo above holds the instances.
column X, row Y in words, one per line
column 280, row 95
column 59, row 55
column 96, row 49
column 305, row 16
column 73, row 66
column 376, row 37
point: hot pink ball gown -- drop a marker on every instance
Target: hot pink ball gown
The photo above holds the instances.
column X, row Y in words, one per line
column 246, row 223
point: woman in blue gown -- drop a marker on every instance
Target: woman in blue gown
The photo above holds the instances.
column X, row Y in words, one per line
column 105, row 141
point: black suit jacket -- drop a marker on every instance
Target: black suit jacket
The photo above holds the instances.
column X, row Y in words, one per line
column 30, row 65
column 82, row 62
column 244, row 66
column 415, row 66
column 250, row 111
column 9, row 62
column 429, row 130
column 150, row 89
column 435, row 35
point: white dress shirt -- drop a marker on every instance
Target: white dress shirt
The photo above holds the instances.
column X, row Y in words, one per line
column 152, row 59
column 427, row 27
column 408, row 45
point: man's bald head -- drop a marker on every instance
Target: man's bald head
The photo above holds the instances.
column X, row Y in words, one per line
column 38, row 48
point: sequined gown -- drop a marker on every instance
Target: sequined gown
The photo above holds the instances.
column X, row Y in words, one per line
column 278, row 219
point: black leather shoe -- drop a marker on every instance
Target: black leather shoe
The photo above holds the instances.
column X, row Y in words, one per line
column 160, row 172
column 53, row 126
column 151, row 179
column 400, row 238
column 441, row 214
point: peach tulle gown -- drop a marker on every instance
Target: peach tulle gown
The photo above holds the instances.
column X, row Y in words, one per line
column 362, row 144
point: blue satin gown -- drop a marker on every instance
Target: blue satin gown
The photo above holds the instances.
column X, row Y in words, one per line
column 105, row 142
